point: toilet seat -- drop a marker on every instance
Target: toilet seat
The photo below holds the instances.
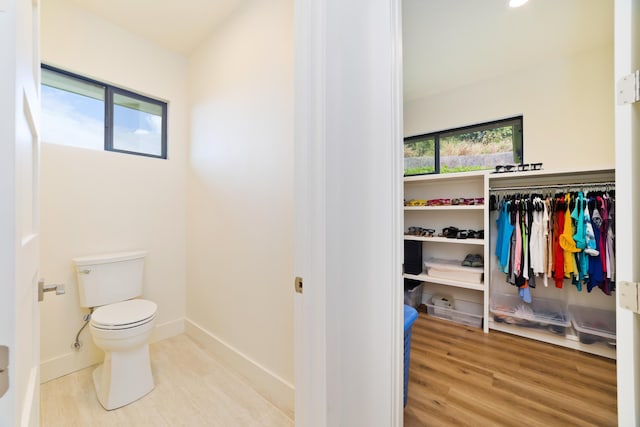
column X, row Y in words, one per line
column 124, row 315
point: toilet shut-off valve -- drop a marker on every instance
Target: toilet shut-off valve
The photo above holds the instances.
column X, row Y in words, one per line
column 42, row 288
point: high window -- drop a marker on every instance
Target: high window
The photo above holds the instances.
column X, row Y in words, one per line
column 476, row 147
column 82, row 112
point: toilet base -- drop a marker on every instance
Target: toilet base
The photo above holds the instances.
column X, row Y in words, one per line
column 123, row 378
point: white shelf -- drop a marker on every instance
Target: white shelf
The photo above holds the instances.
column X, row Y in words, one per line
column 463, row 185
column 445, row 208
column 457, row 176
column 478, row 184
column 570, row 341
column 445, row 240
column 455, row 283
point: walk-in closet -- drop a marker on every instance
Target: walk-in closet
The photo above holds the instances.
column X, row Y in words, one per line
column 509, row 213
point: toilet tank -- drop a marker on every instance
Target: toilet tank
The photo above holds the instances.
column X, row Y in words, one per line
column 109, row 278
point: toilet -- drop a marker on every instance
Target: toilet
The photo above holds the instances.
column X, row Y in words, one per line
column 121, row 324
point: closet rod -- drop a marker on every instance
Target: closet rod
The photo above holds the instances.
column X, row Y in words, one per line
column 555, row 186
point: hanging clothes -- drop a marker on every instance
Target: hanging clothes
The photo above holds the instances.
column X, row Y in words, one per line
column 567, row 236
column 549, row 237
column 604, row 209
column 558, row 229
column 611, row 270
column 595, row 263
column 567, row 243
column 517, row 261
column 503, row 241
column 546, row 241
column 580, row 237
column 537, row 243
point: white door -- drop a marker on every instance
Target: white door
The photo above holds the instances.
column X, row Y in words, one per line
column 19, row 241
column 627, row 126
column 348, row 161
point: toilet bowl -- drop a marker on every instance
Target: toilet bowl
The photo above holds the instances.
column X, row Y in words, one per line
column 121, row 324
column 123, row 330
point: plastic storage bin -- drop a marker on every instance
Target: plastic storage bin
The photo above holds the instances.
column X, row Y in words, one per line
column 593, row 324
column 412, row 292
column 410, row 316
column 541, row 313
column 465, row 312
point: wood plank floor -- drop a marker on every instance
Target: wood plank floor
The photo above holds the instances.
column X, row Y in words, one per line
column 192, row 389
column 458, row 376
column 461, row 376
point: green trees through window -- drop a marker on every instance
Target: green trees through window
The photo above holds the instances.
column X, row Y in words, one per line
column 475, row 147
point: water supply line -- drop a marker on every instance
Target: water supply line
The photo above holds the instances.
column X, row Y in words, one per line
column 77, row 344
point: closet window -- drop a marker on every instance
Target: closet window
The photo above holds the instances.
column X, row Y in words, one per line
column 469, row 148
column 82, row 112
column 420, row 156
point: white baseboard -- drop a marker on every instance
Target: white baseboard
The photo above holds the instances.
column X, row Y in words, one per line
column 72, row 361
column 269, row 385
column 168, row 329
column 89, row 354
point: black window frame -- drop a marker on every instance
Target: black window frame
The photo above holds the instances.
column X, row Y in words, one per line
column 489, row 125
column 109, row 91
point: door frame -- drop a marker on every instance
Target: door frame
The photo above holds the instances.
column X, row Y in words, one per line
column 348, row 173
column 627, row 131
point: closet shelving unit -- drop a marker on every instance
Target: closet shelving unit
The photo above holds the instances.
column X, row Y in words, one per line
column 476, row 217
column 544, row 181
column 464, row 217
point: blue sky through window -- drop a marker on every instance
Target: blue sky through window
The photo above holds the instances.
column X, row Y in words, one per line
column 72, row 119
column 136, row 130
column 73, row 113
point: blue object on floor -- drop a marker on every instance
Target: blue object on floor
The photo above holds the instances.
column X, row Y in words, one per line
column 410, row 316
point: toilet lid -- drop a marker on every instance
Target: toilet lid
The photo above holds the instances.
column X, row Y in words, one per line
column 124, row 313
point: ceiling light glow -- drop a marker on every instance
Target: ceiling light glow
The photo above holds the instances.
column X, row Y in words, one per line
column 517, row 3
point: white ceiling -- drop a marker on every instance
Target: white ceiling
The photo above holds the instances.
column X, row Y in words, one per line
column 176, row 25
column 446, row 43
column 452, row 43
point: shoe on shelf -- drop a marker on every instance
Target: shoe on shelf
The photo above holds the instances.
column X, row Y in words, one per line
column 467, row 260
column 462, row 234
column 449, row 232
column 476, row 261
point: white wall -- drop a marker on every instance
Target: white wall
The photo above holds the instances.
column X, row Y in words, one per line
column 240, row 207
column 95, row 201
column 567, row 106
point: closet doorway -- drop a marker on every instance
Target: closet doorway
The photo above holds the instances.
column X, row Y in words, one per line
column 469, row 62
